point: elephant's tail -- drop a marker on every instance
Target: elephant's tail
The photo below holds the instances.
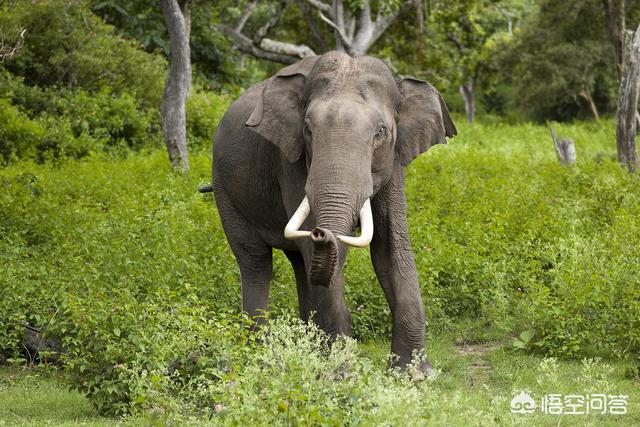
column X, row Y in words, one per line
column 206, row 188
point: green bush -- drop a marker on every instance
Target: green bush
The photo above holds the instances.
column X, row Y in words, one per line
column 204, row 111
column 17, row 132
column 288, row 373
column 74, row 88
column 55, row 123
column 80, row 124
column 112, row 120
column 42, row 138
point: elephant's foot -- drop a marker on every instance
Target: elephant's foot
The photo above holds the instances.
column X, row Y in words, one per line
column 416, row 364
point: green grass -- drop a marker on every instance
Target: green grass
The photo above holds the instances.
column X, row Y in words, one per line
column 38, row 397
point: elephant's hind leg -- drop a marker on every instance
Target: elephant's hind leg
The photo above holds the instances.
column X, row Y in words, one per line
column 253, row 255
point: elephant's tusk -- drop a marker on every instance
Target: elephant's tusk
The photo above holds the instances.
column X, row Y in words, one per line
column 366, row 228
column 291, row 231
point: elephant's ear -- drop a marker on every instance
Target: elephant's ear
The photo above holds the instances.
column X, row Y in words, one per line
column 278, row 116
column 423, row 120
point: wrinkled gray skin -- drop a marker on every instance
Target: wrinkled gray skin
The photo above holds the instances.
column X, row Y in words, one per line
column 339, row 130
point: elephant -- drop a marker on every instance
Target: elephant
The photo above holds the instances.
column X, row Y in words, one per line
column 302, row 159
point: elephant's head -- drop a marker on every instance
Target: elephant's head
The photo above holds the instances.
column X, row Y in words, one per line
column 350, row 121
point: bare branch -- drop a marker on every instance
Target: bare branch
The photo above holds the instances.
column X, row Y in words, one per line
column 248, row 10
column 7, row 51
column 369, row 31
column 246, row 45
column 351, row 27
column 313, row 26
column 299, row 50
column 262, row 47
column 343, row 36
column 321, row 6
column 337, row 6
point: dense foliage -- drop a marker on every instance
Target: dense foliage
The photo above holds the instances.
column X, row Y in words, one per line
column 559, row 54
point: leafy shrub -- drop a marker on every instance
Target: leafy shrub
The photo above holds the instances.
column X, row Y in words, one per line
column 112, row 120
column 291, row 374
column 55, row 123
column 43, row 138
column 204, row 111
column 17, row 132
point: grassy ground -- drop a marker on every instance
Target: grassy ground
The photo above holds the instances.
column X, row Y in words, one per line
column 473, row 377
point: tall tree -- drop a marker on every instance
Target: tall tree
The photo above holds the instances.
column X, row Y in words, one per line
column 616, row 17
column 356, row 27
column 626, row 127
column 212, row 57
column 176, row 91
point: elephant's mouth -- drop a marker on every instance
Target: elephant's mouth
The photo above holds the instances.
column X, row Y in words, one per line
column 292, row 230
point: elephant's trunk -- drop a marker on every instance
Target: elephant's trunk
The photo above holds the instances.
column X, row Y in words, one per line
column 336, row 216
column 324, row 262
column 325, row 244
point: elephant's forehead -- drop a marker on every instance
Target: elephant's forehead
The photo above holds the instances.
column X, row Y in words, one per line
column 339, row 73
column 334, row 62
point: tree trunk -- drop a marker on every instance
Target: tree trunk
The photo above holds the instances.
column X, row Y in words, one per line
column 176, row 90
column 468, row 91
column 627, row 107
column 420, row 49
column 616, row 33
column 338, row 13
column 565, row 149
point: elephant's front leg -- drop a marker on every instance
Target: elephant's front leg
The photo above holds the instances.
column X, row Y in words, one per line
column 395, row 267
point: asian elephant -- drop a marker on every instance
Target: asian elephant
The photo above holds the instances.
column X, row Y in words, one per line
column 302, row 159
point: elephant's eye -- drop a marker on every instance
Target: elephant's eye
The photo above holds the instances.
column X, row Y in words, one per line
column 381, row 132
